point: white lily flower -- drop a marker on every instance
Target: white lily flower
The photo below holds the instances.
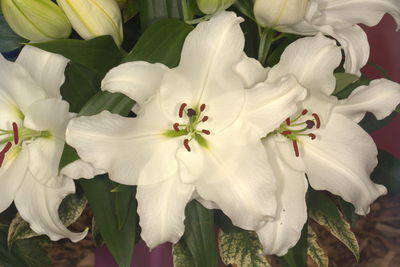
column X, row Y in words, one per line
column 33, row 120
column 323, row 140
column 339, row 19
column 197, row 131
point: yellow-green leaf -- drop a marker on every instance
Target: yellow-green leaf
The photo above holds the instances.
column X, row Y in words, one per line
column 242, row 249
column 338, row 228
column 181, row 255
column 316, row 253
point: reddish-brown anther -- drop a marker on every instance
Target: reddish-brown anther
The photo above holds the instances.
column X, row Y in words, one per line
column 286, row 132
column 176, row 127
column 3, row 152
column 204, row 131
column 317, row 120
column 202, row 107
column 312, row 136
column 16, row 133
column 304, row 112
column 181, row 109
column 205, row 118
column 288, row 121
column 186, row 144
column 296, row 148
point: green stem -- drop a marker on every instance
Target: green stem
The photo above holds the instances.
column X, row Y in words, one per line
column 185, row 11
column 265, row 45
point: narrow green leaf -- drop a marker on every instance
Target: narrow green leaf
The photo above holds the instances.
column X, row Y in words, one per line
column 153, row 10
column 114, row 102
column 100, row 53
column 162, row 42
column 8, row 39
column 319, row 201
column 316, row 253
column 242, row 249
column 340, row 229
column 245, row 7
column 369, row 123
column 199, row 235
column 130, row 9
column 380, row 69
column 69, row 211
column 297, row 255
column 98, row 239
column 344, row 93
column 225, row 223
column 387, row 172
column 181, row 255
column 120, row 241
column 343, row 80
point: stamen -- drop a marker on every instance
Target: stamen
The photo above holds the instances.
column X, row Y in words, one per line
column 204, row 131
column 191, row 112
column 286, row 132
column 310, row 124
column 202, row 107
column 317, row 120
column 296, row 148
column 176, row 127
column 304, row 112
column 181, row 109
column 16, row 134
column 3, row 152
column 312, row 136
column 205, row 118
column 288, row 121
column 186, row 144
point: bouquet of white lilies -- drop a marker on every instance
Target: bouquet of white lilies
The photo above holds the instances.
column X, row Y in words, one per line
column 228, row 133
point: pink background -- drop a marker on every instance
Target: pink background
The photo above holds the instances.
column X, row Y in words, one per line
column 385, row 51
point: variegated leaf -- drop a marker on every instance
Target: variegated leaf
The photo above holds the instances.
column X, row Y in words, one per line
column 182, row 256
column 338, row 228
column 70, row 210
column 314, row 251
column 242, row 249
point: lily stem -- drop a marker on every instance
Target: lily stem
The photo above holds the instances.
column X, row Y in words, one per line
column 265, row 44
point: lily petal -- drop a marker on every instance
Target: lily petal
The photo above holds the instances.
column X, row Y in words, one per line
column 161, row 208
column 46, row 69
column 138, row 80
column 380, row 97
column 251, row 71
column 12, row 174
column 278, row 98
column 38, row 205
column 80, row 169
column 312, row 61
column 284, row 231
column 345, row 152
column 238, row 177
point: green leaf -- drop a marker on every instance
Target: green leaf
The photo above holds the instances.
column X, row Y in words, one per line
column 81, row 83
column 316, row 253
column 225, row 223
column 9, row 41
column 31, row 252
column 100, row 53
column 297, row 255
column 380, row 69
column 114, row 102
column 98, row 239
column 387, row 172
column 340, row 229
column 343, row 80
column 245, row 7
column 119, row 240
column 181, row 255
column 242, row 249
column 130, row 9
column 153, row 10
column 345, row 92
column 199, row 235
column 69, row 211
column 369, row 123
column 162, row 42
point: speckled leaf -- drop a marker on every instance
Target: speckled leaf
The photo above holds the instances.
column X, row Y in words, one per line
column 338, row 228
column 70, row 210
column 316, row 253
column 242, row 249
column 182, row 256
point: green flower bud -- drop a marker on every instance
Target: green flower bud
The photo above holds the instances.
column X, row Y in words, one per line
column 276, row 13
column 212, row 6
column 91, row 18
column 38, row 20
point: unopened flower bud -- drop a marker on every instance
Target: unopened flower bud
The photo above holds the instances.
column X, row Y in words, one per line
column 39, row 20
column 94, row 18
column 275, row 13
column 213, row 6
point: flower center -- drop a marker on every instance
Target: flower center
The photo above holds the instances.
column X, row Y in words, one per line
column 15, row 137
column 300, row 126
column 190, row 130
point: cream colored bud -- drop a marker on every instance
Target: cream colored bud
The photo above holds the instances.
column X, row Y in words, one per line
column 275, row 13
column 91, row 18
column 213, row 6
column 38, row 20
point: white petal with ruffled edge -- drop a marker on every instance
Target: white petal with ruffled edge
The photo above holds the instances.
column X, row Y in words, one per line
column 138, row 80
column 251, row 71
column 161, row 208
column 284, row 231
column 238, row 177
column 46, row 69
column 80, row 169
column 341, row 160
column 380, row 97
column 38, row 205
